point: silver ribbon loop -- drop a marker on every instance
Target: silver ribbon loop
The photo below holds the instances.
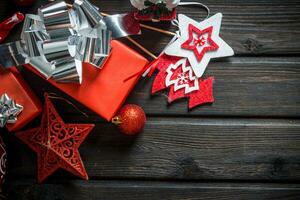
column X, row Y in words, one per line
column 66, row 70
column 55, row 49
column 12, row 54
column 57, row 40
column 9, row 110
column 90, row 13
column 53, row 8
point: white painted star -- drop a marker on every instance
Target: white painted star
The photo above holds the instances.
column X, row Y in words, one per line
column 199, row 66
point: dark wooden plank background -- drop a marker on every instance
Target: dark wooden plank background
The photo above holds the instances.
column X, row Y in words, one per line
column 244, row 146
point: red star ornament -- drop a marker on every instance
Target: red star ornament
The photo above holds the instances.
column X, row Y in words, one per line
column 200, row 41
column 56, row 143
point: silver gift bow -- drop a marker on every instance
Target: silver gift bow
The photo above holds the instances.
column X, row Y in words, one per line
column 9, row 110
column 59, row 39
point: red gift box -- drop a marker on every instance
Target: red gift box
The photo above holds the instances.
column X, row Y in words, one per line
column 17, row 89
column 105, row 90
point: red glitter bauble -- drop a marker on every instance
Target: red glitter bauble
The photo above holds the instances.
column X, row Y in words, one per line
column 24, row 2
column 130, row 120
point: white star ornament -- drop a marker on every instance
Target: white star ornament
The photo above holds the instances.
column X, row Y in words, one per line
column 199, row 42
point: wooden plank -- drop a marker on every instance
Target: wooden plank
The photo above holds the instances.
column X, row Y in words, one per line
column 264, row 87
column 137, row 190
column 182, row 149
column 252, row 27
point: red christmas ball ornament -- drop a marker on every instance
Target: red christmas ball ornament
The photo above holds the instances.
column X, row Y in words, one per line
column 24, row 2
column 130, row 120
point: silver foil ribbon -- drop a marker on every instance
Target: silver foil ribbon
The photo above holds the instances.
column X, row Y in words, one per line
column 12, row 54
column 60, row 38
column 9, row 110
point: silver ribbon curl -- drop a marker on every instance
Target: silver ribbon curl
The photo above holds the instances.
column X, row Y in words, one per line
column 59, row 39
column 9, row 110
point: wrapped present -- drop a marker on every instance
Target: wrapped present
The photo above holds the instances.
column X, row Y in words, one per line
column 72, row 47
column 61, row 37
column 17, row 90
column 104, row 91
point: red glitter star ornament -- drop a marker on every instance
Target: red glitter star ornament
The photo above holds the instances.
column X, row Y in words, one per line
column 200, row 43
column 56, row 143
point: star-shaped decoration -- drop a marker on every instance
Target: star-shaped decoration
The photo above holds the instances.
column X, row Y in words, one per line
column 199, row 42
column 56, row 143
column 181, row 76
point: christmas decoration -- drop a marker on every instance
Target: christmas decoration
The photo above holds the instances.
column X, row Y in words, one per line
column 3, row 160
column 142, row 4
column 59, row 39
column 131, row 119
column 56, row 143
column 24, row 2
column 16, row 88
column 183, row 62
column 155, row 10
column 199, row 42
column 73, row 47
column 7, row 25
column 176, row 74
column 104, row 92
column 9, row 110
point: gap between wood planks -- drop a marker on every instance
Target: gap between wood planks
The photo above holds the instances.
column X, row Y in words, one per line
column 209, row 183
column 137, row 190
column 204, row 120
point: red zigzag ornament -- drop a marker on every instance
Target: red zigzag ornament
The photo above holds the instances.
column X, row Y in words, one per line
column 176, row 74
column 56, row 143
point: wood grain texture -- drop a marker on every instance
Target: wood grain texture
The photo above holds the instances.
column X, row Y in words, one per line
column 133, row 190
column 250, row 27
column 219, row 151
column 183, row 149
column 256, row 87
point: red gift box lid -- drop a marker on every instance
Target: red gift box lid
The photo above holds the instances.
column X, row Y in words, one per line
column 105, row 90
column 17, row 89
